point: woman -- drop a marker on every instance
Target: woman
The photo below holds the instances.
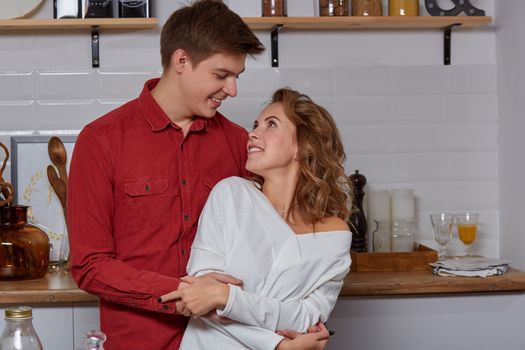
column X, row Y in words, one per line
column 283, row 233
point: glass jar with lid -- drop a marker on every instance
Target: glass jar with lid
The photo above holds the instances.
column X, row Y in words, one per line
column 403, row 7
column 403, row 235
column 367, row 8
column 18, row 333
column 381, row 237
column 333, row 7
column 273, row 8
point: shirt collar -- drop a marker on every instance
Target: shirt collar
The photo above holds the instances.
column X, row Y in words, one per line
column 157, row 118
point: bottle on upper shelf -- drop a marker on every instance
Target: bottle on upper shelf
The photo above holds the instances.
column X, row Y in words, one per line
column 273, row 8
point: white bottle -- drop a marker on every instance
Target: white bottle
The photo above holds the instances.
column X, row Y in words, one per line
column 19, row 333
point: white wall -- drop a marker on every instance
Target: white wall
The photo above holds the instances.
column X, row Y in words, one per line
column 406, row 120
column 511, row 88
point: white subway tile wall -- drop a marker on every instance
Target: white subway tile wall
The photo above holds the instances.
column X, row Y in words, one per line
column 431, row 128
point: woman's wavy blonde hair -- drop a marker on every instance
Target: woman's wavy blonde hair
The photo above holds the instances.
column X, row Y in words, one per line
column 323, row 189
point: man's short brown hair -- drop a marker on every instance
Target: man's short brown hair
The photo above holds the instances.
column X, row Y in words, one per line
column 205, row 28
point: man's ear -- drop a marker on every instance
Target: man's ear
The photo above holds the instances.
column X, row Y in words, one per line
column 179, row 60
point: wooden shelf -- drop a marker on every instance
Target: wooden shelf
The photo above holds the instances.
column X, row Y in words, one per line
column 93, row 24
column 354, row 22
column 87, row 23
column 445, row 23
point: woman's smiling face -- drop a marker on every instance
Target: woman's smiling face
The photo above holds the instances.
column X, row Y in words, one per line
column 272, row 144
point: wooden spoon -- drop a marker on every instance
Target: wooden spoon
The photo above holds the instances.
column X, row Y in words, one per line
column 59, row 186
column 58, row 155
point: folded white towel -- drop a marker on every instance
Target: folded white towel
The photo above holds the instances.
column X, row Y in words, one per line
column 475, row 266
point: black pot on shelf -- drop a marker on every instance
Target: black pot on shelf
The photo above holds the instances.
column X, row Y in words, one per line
column 134, row 8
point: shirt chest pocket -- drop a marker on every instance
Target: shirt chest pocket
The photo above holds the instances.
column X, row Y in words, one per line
column 146, row 203
column 146, row 188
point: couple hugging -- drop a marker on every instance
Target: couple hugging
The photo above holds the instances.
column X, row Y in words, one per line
column 175, row 211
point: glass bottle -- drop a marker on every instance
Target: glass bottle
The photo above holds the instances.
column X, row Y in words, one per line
column 381, row 237
column 94, row 340
column 19, row 333
column 271, row 8
column 333, row 7
column 24, row 248
column 367, row 8
column 403, row 235
column 403, row 7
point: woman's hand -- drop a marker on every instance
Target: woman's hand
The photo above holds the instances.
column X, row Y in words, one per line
column 200, row 295
column 204, row 295
column 313, row 340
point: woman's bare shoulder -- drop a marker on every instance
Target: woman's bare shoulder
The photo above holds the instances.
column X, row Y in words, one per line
column 332, row 223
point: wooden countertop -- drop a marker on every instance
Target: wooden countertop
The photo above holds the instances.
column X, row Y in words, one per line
column 424, row 282
column 49, row 289
column 62, row 289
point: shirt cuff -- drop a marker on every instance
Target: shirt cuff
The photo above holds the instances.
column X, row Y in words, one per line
column 227, row 310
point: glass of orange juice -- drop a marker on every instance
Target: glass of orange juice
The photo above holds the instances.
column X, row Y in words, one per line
column 467, row 224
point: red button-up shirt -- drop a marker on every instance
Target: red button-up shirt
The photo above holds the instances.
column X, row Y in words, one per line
column 136, row 190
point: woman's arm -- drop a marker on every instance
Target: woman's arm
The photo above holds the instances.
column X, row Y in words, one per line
column 254, row 309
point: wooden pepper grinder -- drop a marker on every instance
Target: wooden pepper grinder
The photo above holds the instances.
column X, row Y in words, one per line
column 357, row 218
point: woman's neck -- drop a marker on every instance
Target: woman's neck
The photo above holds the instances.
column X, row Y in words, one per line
column 280, row 192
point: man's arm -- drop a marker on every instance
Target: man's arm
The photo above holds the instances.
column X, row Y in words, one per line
column 90, row 223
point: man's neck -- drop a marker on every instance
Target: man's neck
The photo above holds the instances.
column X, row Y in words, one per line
column 167, row 98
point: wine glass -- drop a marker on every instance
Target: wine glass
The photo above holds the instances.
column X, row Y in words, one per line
column 442, row 225
column 467, row 228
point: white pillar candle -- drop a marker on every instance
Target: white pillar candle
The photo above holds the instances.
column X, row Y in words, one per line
column 403, row 204
column 378, row 208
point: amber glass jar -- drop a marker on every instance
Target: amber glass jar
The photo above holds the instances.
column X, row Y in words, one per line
column 403, row 7
column 333, row 7
column 24, row 248
column 367, row 8
column 273, row 8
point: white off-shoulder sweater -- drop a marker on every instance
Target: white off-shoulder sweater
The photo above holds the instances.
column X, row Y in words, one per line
column 290, row 281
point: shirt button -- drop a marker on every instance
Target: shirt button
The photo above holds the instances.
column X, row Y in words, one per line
column 165, row 307
column 147, row 187
column 183, row 182
column 186, row 217
column 182, row 252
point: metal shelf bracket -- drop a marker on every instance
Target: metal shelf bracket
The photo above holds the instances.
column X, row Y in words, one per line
column 95, row 52
column 447, row 36
column 275, row 44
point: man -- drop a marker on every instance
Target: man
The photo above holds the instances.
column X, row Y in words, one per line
column 140, row 175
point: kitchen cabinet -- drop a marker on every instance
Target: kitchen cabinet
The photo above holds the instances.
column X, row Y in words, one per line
column 95, row 24
column 444, row 23
column 63, row 312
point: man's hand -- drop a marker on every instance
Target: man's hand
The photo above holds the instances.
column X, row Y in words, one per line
column 200, row 295
column 315, row 339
